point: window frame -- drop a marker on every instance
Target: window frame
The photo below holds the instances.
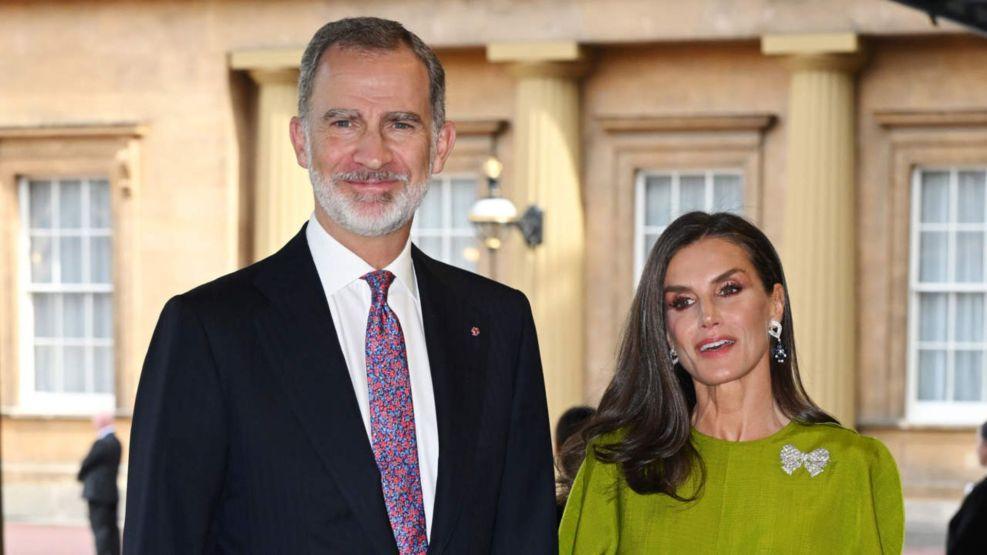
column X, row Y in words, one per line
column 940, row 412
column 45, row 401
column 447, row 234
column 640, row 184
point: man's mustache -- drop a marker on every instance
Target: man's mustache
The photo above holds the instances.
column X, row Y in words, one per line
column 370, row 176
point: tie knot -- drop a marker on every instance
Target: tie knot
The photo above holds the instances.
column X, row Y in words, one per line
column 379, row 282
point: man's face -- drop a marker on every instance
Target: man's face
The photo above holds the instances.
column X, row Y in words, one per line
column 368, row 141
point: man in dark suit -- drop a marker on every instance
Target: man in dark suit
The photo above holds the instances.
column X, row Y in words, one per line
column 98, row 475
column 348, row 394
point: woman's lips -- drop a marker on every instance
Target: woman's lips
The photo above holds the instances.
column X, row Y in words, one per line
column 715, row 346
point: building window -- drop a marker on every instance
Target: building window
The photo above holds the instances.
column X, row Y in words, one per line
column 67, row 307
column 442, row 228
column 662, row 196
column 947, row 339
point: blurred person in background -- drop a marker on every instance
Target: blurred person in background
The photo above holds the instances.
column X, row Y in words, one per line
column 567, row 461
column 348, row 394
column 968, row 528
column 705, row 441
column 98, row 475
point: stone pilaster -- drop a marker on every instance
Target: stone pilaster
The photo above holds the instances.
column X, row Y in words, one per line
column 546, row 172
column 818, row 222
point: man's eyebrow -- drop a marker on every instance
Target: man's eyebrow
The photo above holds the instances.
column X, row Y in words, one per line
column 333, row 113
column 717, row 279
column 404, row 116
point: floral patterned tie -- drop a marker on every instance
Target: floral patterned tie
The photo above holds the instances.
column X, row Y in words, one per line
column 392, row 419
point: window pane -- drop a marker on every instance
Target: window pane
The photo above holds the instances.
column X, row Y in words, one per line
column 968, row 375
column 935, row 197
column 727, row 194
column 70, row 204
column 100, row 260
column 692, row 193
column 44, row 314
column 99, row 204
column 932, row 376
column 44, row 368
column 932, row 256
column 657, row 200
column 39, row 200
column 969, row 256
column 431, row 246
column 971, row 197
column 41, row 259
column 969, row 317
column 70, row 259
column 463, row 195
column 74, row 368
column 430, row 211
column 932, row 314
column 102, row 315
column 103, row 369
column 464, row 253
column 74, row 315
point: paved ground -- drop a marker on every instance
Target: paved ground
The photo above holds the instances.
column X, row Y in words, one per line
column 39, row 539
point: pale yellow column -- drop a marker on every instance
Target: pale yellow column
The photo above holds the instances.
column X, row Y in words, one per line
column 818, row 221
column 283, row 196
column 546, row 172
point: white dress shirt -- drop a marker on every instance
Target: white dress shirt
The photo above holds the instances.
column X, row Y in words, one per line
column 349, row 300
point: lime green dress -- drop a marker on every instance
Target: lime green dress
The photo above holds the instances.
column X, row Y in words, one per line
column 749, row 504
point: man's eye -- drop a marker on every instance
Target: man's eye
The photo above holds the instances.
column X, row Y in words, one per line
column 341, row 123
column 403, row 125
column 680, row 303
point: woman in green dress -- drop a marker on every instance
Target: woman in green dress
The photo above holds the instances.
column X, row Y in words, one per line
column 705, row 440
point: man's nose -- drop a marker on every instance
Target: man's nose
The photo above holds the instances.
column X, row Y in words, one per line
column 372, row 151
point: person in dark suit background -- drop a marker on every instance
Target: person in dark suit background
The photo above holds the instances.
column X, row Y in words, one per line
column 968, row 528
column 348, row 394
column 98, row 475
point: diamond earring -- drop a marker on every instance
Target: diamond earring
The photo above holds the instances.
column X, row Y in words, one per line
column 778, row 351
column 674, row 355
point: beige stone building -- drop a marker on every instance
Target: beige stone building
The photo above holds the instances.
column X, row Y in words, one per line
column 144, row 150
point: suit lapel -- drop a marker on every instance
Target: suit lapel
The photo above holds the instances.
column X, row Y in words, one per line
column 299, row 337
column 457, row 359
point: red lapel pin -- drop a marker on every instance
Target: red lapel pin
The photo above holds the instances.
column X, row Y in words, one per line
column 475, row 331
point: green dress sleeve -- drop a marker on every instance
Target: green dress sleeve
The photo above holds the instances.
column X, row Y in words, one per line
column 886, row 495
column 590, row 521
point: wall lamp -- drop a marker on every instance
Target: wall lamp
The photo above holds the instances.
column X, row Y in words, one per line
column 492, row 214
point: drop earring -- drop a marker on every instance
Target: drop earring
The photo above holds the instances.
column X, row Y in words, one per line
column 778, row 351
column 674, row 355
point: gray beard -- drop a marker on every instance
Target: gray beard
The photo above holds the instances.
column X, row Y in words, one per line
column 367, row 214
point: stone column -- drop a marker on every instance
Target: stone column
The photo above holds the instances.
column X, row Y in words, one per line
column 818, row 220
column 546, row 172
column 283, row 196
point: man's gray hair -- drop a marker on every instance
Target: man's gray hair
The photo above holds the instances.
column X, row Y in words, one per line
column 371, row 33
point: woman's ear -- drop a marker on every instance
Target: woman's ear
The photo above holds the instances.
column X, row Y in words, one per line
column 778, row 302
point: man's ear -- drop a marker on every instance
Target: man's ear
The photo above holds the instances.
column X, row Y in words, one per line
column 443, row 146
column 297, row 132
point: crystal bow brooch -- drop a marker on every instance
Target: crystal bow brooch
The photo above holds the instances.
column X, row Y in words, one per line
column 814, row 462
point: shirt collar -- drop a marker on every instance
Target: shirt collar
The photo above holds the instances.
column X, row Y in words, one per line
column 338, row 266
column 104, row 431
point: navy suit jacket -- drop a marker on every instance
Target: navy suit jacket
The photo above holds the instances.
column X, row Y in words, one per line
column 98, row 472
column 247, row 437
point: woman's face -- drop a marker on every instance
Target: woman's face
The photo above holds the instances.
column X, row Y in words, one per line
column 717, row 311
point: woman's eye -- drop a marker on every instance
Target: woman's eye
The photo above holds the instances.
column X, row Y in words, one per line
column 680, row 303
column 730, row 289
